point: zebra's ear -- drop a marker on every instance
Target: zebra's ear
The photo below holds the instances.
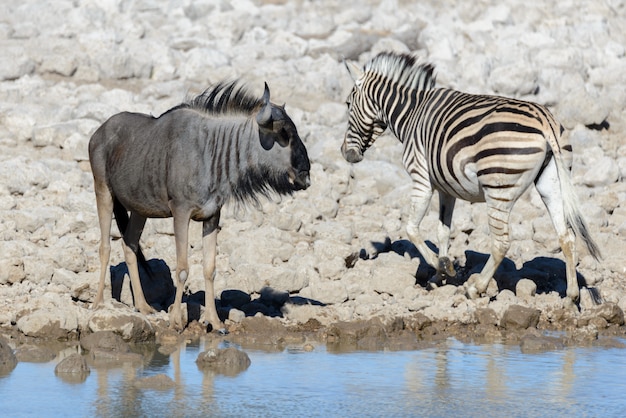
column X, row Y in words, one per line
column 355, row 72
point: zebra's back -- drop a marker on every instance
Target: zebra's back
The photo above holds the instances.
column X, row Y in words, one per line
column 472, row 142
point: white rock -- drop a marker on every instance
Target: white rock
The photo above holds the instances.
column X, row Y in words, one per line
column 15, row 62
column 327, row 292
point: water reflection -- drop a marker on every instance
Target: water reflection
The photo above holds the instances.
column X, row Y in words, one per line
column 449, row 378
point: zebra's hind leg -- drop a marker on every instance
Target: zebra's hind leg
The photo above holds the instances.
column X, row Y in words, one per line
column 445, row 267
column 498, row 212
column 550, row 191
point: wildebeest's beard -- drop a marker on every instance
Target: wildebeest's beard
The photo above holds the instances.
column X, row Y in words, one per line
column 262, row 182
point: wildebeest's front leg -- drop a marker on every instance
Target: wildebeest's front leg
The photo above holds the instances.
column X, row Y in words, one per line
column 181, row 233
column 210, row 228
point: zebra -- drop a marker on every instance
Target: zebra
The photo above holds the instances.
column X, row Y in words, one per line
column 223, row 145
column 478, row 148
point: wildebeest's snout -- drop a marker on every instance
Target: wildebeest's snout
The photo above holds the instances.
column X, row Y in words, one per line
column 302, row 180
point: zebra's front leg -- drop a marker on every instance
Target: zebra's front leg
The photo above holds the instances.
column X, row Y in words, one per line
column 210, row 228
column 445, row 267
column 500, row 243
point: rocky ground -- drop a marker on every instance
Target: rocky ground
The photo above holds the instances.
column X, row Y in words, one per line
column 332, row 261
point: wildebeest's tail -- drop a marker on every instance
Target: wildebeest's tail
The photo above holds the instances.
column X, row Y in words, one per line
column 571, row 207
column 121, row 218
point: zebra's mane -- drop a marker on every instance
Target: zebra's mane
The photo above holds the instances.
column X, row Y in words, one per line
column 403, row 69
column 224, row 98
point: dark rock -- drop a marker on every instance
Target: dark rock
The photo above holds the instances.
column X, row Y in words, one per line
column 8, row 360
column 73, row 369
column 486, row 316
column 611, row 312
column 520, row 317
column 363, row 335
column 73, row 364
column 229, row 361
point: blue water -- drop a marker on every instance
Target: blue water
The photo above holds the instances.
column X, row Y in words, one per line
column 453, row 379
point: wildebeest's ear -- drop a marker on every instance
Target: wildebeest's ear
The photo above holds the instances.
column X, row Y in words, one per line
column 267, row 142
column 264, row 118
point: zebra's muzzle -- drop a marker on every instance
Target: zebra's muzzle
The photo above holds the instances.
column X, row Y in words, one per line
column 352, row 155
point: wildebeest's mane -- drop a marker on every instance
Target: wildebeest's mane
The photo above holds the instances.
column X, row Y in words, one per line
column 223, row 98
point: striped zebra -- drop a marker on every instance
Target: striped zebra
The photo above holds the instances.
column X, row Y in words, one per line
column 477, row 148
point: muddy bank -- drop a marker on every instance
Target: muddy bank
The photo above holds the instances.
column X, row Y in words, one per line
column 520, row 326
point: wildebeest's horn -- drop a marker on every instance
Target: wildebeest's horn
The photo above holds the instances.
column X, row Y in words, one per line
column 264, row 117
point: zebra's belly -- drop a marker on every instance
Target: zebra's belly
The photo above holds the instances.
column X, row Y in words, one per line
column 463, row 185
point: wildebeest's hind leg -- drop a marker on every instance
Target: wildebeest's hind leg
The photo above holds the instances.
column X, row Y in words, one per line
column 104, row 203
column 130, row 244
column 181, row 216
column 210, row 228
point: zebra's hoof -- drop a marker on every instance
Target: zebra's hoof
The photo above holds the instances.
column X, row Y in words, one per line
column 446, row 268
column 432, row 285
column 472, row 292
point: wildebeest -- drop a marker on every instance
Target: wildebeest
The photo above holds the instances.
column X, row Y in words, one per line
column 223, row 145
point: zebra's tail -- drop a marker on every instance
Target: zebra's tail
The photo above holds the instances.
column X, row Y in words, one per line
column 571, row 206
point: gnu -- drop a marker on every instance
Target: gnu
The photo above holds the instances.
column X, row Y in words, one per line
column 472, row 147
column 186, row 164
